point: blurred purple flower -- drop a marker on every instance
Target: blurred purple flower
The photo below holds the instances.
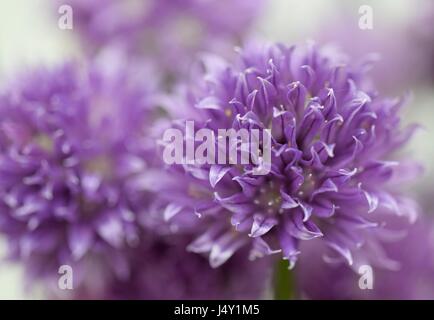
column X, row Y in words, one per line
column 169, row 31
column 395, row 46
column 332, row 164
column 74, row 143
column 409, row 275
column 162, row 269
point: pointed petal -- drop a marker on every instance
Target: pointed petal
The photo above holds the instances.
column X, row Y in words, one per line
column 225, row 247
column 217, row 173
column 80, row 239
column 171, row 210
column 261, row 225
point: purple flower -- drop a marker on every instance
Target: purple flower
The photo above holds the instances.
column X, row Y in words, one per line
column 333, row 166
column 169, row 31
column 74, row 145
column 408, row 249
column 162, row 269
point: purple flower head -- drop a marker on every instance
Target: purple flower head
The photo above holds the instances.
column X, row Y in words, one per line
column 161, row 268
column 332, row 155
column 409, row 250
column 171, row 31
column 74, row 143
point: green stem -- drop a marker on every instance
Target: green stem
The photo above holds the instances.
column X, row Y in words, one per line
column 284, row 282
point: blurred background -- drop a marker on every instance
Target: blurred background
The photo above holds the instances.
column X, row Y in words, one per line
column 29, row 35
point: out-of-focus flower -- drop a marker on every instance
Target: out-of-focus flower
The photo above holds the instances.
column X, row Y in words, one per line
column 398, row 61
column 169, row 31
column 409, row 276
column 163, row 269
column 74, row 143
column 332, row 161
